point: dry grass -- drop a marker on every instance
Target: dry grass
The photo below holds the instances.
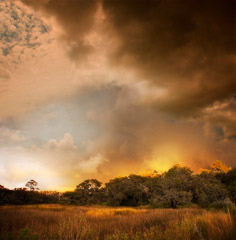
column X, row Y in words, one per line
column 48, row 222
column 104, row 212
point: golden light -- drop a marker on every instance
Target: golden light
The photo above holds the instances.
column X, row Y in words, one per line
column 164, row 158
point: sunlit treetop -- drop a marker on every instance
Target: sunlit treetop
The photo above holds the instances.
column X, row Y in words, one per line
column 217, row 167
column 149, row 173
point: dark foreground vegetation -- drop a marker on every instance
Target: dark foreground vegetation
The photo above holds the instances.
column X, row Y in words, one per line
column 176, row 188
column 60, row 222
column 205, row 202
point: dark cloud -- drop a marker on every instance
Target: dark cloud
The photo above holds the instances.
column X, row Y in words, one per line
column 135, row 136
column 75, row 16
column 222, row 118
column 187, row 47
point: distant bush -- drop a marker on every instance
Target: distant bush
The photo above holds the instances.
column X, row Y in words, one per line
column 225, row 205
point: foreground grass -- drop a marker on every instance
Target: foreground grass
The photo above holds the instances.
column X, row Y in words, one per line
column 49, row 222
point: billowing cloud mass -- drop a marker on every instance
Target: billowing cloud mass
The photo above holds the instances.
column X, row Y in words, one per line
column 100, row 88
column 185, row 46
column 10, row 135
column 76, row 18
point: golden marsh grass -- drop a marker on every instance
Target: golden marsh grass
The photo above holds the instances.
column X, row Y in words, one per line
column 49, row 222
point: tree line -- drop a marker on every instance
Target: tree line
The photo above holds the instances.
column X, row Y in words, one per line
column 178, row 187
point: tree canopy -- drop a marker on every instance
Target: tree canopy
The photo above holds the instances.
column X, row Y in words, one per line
column 178, row 187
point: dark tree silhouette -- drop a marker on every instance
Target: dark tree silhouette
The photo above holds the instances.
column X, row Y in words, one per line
column 32, row 185
column 178, row 187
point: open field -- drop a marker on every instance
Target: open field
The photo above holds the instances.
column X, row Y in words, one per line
column 48, row 222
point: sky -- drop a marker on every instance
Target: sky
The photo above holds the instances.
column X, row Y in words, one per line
column 105, row 88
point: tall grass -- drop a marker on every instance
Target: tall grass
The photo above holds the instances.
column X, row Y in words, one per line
column 48, row 222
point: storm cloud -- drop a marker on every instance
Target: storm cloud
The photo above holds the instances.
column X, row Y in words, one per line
column 185, row 47
column 75, row 16
column 114, row 87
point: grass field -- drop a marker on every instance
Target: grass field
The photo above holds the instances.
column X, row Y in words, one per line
column 57, row 222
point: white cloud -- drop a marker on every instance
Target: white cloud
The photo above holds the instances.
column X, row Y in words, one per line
column 64, row 144
column 92, row 164
column 8, row 135
column 53, row 165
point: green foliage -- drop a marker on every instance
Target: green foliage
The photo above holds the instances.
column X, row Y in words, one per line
column 207, row 189
column 176, row 188
column 22, row 234
column 225, row 205
column 127, row 191
column 87, row 192
column 21, row 196
column 173, row 198
column 229, row 180
column 26, row 234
